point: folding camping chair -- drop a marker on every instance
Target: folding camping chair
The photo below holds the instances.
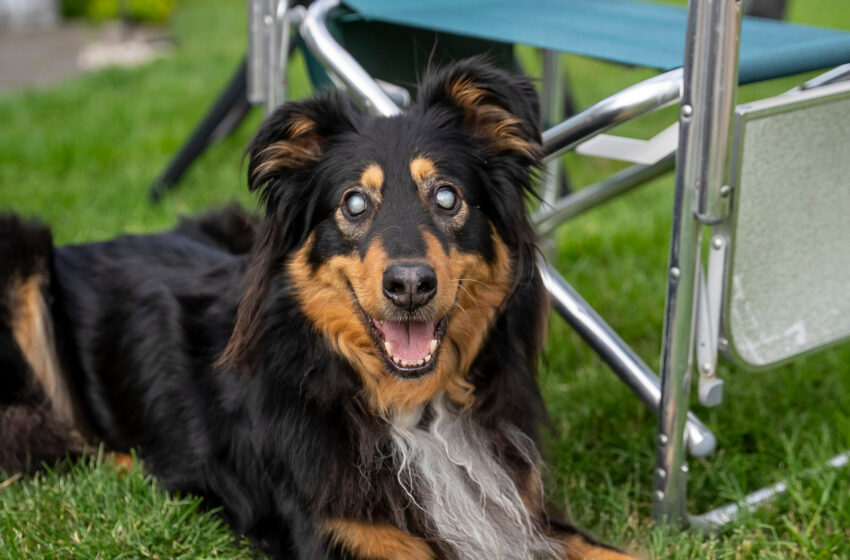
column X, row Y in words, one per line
column 734, row 173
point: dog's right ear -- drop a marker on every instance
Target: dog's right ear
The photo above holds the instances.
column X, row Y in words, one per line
column 291, row 140
column 282, row 159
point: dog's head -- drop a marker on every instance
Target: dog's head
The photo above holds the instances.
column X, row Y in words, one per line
column 403, row 237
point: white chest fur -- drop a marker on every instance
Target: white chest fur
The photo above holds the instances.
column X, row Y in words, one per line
column 448, row 469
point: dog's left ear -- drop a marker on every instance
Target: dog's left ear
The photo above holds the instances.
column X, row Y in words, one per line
column 500, row 107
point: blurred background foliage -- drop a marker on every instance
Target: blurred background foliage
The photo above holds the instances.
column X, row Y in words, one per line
column 155, row 11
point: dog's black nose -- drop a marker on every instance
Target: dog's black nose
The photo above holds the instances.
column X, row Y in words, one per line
column 410, row 285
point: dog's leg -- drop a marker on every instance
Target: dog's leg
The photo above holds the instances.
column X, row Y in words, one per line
column 123, row 461
column 30, row 435
column 578, row 546
column 32, row 329
column 37, row 415
column 377, row 541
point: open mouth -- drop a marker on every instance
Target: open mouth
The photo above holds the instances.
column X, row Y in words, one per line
column 408, row 348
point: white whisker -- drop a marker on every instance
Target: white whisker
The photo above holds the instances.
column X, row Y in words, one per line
column 473, row 280
column 468, row 320
column 462, row 287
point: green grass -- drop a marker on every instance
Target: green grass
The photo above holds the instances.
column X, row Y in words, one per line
column 93, row 509
column 83, row 154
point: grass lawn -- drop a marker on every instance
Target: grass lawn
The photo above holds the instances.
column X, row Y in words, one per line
column 82, row 156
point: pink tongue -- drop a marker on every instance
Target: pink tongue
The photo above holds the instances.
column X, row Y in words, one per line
column 410, row 340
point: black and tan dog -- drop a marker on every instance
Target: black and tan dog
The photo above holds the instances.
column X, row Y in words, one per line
column 351, row 377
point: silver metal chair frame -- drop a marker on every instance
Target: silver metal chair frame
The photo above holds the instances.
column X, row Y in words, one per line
column 706, row 87
column 269, row 30
column 709, row 84
column 702, row 198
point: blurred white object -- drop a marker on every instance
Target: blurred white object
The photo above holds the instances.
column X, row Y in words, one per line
column 18, row 14
column 125, row 47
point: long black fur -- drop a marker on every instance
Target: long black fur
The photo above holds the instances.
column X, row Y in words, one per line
column 279, row 433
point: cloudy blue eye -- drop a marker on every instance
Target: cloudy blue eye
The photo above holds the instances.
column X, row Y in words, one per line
column 355, row 204
column 446, row 198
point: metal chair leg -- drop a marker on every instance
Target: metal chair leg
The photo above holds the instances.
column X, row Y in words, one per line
column 618, row 355
column 225, row 115
column 705, row 115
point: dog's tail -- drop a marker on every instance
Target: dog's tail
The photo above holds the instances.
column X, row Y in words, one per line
column 229, row 229
column 37, row 416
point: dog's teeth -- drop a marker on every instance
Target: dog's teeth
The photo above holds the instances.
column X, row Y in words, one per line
column 433, row 345
column 412, row 363
column 389, row 348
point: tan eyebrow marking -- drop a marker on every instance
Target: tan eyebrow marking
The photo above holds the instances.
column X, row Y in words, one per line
column 422, row 168
column 372, row 177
